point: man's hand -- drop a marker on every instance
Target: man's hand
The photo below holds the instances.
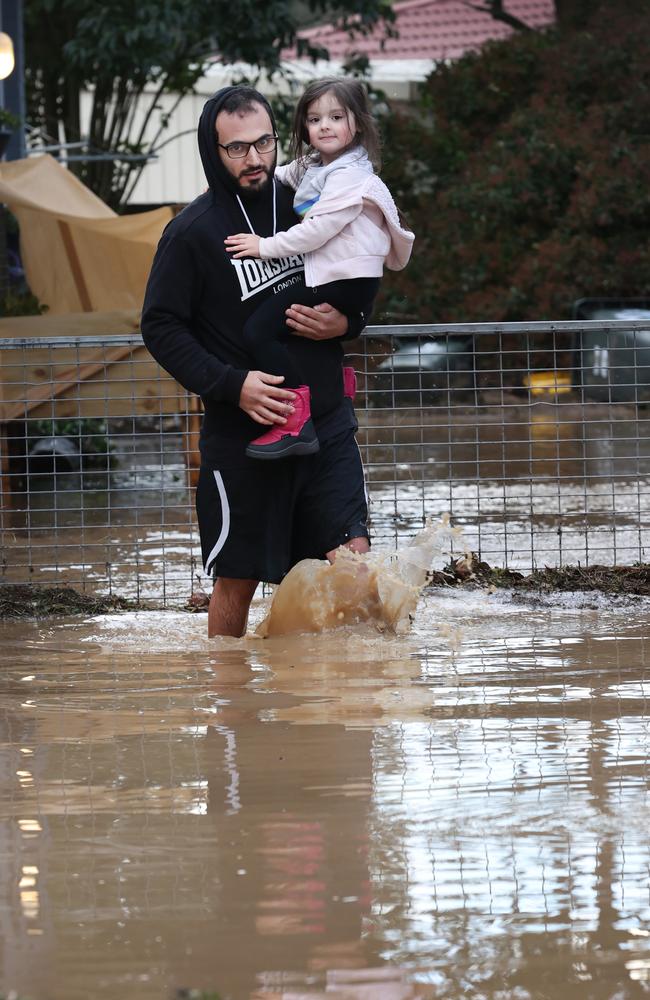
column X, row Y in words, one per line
column 263, row 400
column 243, row 245
column 322, row 322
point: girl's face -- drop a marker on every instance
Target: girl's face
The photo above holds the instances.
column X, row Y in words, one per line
column 331, row 127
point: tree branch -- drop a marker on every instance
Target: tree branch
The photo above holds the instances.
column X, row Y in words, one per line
column 116, row 53
column 130, row 182
column 496, row 11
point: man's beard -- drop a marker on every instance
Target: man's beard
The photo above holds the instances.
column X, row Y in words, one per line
column 250, row 192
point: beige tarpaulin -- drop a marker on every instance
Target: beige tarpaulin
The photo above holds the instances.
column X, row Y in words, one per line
column 78, row 381
column 79, row 256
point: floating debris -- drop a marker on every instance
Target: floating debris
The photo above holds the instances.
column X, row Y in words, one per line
column 469, row 570
column 28, row 601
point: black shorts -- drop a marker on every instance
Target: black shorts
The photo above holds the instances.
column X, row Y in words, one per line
column 258, row 520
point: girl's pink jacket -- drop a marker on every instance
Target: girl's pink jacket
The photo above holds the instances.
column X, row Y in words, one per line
column 351, row 231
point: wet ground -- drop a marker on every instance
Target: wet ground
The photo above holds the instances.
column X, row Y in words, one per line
column 461, row 811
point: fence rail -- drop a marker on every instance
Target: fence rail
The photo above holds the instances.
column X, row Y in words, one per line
column 533, row 437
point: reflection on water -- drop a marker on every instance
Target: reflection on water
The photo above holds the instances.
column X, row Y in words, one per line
column 131, row 532
column 458, row 812
column 532, row 440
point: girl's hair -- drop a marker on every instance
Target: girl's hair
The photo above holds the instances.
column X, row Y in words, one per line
column 354, row 99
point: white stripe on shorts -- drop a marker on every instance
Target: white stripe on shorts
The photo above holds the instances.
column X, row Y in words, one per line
column 225, row 522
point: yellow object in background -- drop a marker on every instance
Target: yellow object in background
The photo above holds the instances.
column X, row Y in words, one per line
column 544, row 383
column 7, row 58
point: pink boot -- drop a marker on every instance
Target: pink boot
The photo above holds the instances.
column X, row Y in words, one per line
column 349, row 382
column 296, row 437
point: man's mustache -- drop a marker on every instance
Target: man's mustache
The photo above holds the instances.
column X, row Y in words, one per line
column 253, row 170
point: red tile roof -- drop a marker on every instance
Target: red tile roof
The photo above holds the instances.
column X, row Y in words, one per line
column 431, row 29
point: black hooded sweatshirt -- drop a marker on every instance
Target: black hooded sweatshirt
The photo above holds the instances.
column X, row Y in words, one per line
column 198, row 299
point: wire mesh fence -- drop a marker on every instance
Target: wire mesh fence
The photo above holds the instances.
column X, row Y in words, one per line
column 532, row 437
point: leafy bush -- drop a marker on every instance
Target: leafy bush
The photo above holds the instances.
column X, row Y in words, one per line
column 20, row 303
column 525, row 173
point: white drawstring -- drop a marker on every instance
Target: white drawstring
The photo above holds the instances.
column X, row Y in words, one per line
column 275, row 218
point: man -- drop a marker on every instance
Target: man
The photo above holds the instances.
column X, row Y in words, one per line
column 256, row 519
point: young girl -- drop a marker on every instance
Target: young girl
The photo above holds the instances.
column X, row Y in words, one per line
column 350, row 228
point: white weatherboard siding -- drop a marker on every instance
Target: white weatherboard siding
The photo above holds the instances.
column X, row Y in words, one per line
column 176, row 176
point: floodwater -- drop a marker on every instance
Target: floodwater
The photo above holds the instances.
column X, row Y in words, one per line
column 457, row 812
column 530, row 484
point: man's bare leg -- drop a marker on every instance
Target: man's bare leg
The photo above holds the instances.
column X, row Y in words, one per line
column 229, row 604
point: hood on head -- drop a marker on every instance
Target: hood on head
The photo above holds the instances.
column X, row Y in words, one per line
column 217, row 175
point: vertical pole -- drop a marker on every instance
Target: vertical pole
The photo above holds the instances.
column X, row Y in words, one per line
column 192, row 418
column 4, row 264
column 5, row 483
column 13, row 94
column 12, row 98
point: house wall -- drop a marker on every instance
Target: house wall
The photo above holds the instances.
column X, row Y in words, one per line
column 176, row 176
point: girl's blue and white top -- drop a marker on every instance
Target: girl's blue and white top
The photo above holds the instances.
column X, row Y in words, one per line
column 314, row 178
column 350, row 225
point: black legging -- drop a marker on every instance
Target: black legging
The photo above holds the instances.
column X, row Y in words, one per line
column 265, row 332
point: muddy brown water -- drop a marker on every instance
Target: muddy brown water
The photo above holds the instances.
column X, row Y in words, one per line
column 460, row 811
column 531, row 485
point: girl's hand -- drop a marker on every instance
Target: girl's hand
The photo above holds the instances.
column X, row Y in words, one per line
column 243, row 245
column 322, row 322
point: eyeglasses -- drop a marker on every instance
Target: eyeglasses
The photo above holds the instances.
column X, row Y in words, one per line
column 238, row 150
